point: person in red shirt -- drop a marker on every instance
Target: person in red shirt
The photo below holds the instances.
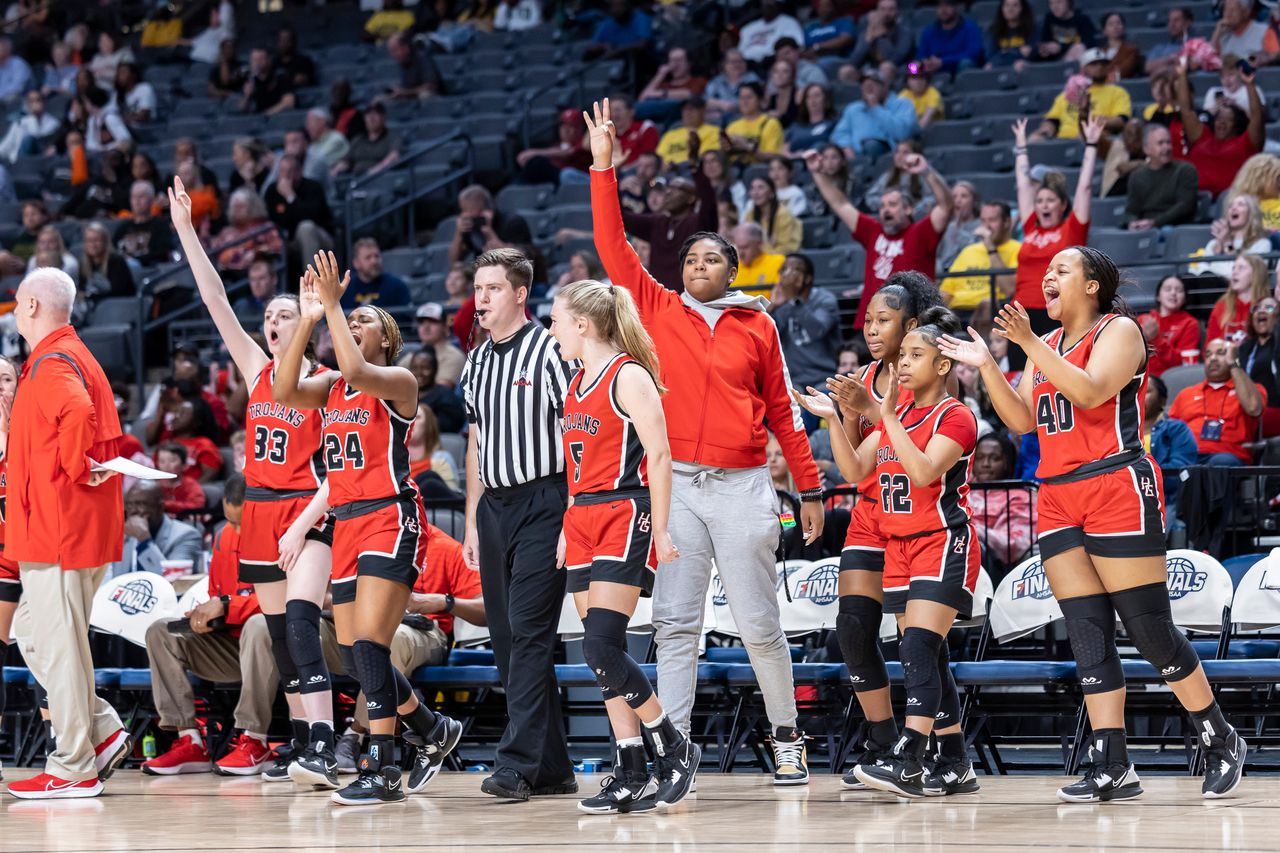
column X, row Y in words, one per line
column 1218, row 151
column 1223, row 410
column 64, row 524
column 1248, row 284
column 1171, row 332
column 228, row 643
column 893, row 242
column 635, row 137
column 182, row 493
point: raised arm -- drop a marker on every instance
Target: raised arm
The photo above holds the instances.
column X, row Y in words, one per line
column 290, row 386
column 1022, row 169
column 1013, row 406
column 1191, row 125
column 1080, row 205
column 944, row 203
column 1257, row 116
column 837, row 202
column 247, row 355
column 638, row 396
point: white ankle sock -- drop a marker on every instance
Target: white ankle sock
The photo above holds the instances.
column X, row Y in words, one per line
column 630, row 741
column 194, row 734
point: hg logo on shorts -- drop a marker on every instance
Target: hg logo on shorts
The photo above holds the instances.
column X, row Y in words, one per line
column 135, row 597
column 1183, row 578
column 1032, row 584
column 821, row 586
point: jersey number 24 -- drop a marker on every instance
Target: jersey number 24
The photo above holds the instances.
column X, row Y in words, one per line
column 338, row 451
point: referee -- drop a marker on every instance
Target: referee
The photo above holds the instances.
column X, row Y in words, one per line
column 514, row 387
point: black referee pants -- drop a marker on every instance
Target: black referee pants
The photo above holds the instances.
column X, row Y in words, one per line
column 523, row 593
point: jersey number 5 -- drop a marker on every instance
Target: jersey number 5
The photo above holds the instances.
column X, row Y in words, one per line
column 895, row 492
column 270, row 444
column 339, row 451
column 1054, row 413
column 575, row 453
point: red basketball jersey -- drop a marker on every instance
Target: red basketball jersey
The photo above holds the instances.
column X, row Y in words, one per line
column 907, row 509
column 282, row 444
column 1070, row 436
column 4, row 491
column 870, row 485
column 366, row 456
column 601, row 449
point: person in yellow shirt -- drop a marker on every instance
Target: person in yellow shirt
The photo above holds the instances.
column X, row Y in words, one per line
column 923, row 95
column 755, row 134
column 758, row 270
column 392, row 18
column 1101, row 98
column 673, row 147
column 996, row 249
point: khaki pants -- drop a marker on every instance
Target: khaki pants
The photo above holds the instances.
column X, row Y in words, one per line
column 52, row 625
column 410, row 649
column 217, row 657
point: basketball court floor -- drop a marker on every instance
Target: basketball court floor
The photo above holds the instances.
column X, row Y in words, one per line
column 741, row 811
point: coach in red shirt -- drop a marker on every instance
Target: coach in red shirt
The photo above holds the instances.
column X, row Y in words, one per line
column 893, row 242
column 1223, row 410
column 65, row 525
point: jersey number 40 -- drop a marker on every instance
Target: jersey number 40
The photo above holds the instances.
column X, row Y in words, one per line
column 1054, row 413
column 338, row 451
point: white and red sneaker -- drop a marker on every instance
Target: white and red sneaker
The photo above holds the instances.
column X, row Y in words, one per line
column 185, row 756
column 111, row 753
column 47, row 787
column 247, row 757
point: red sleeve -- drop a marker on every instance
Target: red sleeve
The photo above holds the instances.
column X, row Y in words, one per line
column 207, row 454
column 867, row 230
column 1076, row 231
column 1177, row 407
column 1215, row 323
column 783, row 414
column 463, row 321
column 1186, row 337
column 224, row 570
column 646, row 142
column 620, row 261
column 64, row 402
column 464, row 582
column 958, row 424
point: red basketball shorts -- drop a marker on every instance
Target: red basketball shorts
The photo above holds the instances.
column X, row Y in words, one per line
column 864, row 543
column 941, row 566
column 1116, row 514
column 610, row 540
column 10, row 582
column 388, row 541
column 262, row 525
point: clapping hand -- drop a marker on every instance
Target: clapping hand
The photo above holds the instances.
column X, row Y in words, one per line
column 815, row 403
column 328, row 285
column 850, row 394
column 972, row 352
column 1014, row 325
column 889, row 405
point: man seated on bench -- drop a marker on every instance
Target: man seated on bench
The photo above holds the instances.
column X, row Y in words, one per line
column 227, row 643
column 446, row 589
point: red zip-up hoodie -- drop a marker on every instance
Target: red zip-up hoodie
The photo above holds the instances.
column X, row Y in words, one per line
column 723, row 385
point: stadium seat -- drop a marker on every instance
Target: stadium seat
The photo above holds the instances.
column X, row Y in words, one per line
column 1125, row 247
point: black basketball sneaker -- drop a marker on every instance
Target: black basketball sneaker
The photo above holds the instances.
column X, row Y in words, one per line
column 375, row 786
column 429, row 758
column 316, row 766
column 901, row 771
column 631, row 788
column 1224, row 764
column 1109, row 775
column 676, row 771
column 871, row 753
column 950, row 776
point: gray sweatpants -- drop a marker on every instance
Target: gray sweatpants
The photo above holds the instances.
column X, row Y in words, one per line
column 726, row 515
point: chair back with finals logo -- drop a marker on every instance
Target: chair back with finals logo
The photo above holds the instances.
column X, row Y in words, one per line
column 127, row 605
column 1200, row 592
column 1023, row 602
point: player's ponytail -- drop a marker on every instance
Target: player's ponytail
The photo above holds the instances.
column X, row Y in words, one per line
column 936, row 322
column 613, row 312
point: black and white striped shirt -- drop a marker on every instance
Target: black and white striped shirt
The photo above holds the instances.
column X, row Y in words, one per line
column 514, row 393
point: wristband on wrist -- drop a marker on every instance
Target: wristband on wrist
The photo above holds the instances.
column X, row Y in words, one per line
column 811, row 495
column 448, row 602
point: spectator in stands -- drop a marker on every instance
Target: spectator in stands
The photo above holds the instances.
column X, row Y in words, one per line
column 266, row 90
column 1163, row 57
column 433, row 334
column 182, row 493
column 814, row 122
column 781, row 96
column 722, row 90
column 184, row 149
column 23, row 245
column 1004, row 518
column 388, row 21
column 251, row 165
column 144, row 237
column 1126, row 155
column 782, row 173
column 689, row 207
column 583, row 264
column 133, row 97
column 246, row 213
column 298, row 207
column 951, row 43
column 104, row 128
column 263, row 287
column 1173, row 335
column 759, row 38
column 636, row 136
column 1239, row 230
column 783, row 232
column 545, row 165
column 715, row 166
column 222, row 26
column 1064, row 33
column 894, row 242
column 1125, row 56
column 1011, row 36
column 151, row 537
column 625, row 29
column 755, row 133
column 885, row 37
column 995, row 249
column 1237, row 32
column 370, row 283
column 108, row 58
column 807, row 73
column 758, row 269
column 897, row 177
column 480, row 228
column 1163, row 192
column 325, row 143
column 1171, row 442
column 1164, row 107
column 1231, row 87
column 443, row 400
column 430, row 464
column 227, row 77
column 240, row 652
column 517, row 15
column 1260, row 358
column 33, row 134
column 808, row 325
column 51, row 251
column 673, row 147
column 925, row 99
column 102, row 272
column 184, row 415
column 874, row 125
column 205, row 207
column 60, row 73
column 1260, row 177
column 1247, row 286
column 419, row 76
column 347, row 116
column 143, row 168
column 458, row 284
column 829, row 34
column 962, row 228
column 1103, row 99
column 298, row 145
column 673, row 84
column 1219, row 151
column 298, row 68
column 1223, row 410
column 375, row 149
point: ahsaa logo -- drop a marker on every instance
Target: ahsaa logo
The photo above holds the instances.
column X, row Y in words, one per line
column 822, row 586
column 1183, row 577
column 719, row 597
column 137, row 596
column 1032, row 584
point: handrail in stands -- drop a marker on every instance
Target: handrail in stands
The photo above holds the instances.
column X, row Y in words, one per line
column 577, row 76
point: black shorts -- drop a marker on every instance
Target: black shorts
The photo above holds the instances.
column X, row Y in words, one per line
column 10, row 591
column 612, row 541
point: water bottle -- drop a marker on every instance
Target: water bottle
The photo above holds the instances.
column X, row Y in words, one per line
column 149, row 745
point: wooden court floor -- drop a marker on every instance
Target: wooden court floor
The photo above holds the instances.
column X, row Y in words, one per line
column 741, row 811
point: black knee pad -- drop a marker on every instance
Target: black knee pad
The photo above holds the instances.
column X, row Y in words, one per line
column 1149, row 624
column 604, row 645
column 918, row 652
column 858, row 631
column 377, row 678
column 949, row 698
column 278, row 629
column 348, row 657
column 1091, row 627
column 303, row 622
